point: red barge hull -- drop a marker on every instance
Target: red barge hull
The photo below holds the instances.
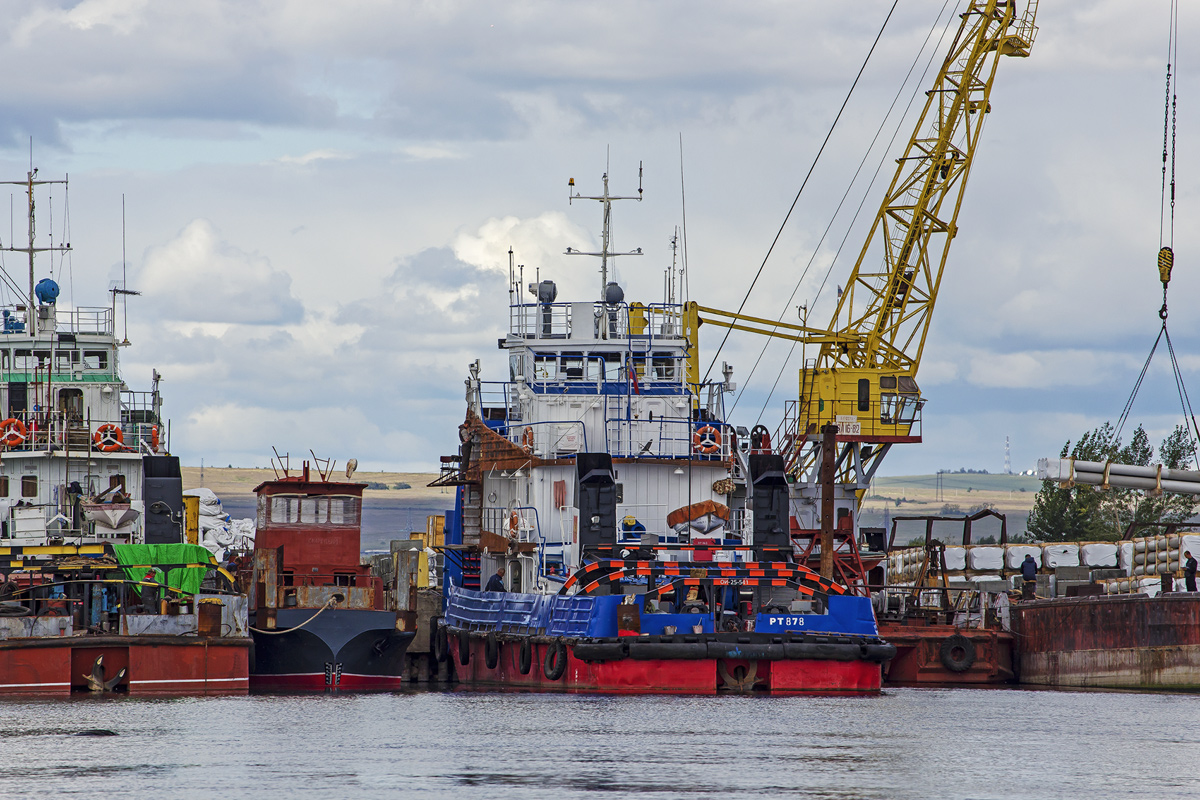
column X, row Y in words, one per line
column 1120, row 641
column 665, row 676
column 946, row 655
column 154, row 665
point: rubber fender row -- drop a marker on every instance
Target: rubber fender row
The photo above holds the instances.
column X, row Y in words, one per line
column 753, row 651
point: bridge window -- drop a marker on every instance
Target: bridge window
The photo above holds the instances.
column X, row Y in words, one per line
column 95, row 359
column 29, row 486
column 664, row 367
column 544, row 368
column 572, row 366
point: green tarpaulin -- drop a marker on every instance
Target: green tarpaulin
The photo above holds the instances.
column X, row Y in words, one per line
column 140, row 557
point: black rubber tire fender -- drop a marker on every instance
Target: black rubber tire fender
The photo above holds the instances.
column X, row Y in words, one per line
column 756, row 651
column 491, row 650
column 464, row 647
column 555, row 662
column 441, row 642
column 601, row 651
column 525, row 658
column 880, row 651
column 654, row 651
column 957, row 653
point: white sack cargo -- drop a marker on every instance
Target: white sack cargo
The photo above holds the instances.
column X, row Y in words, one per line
column 1017, row 552
column 1098, row 554
column 956, row 559
column 985, row 559
column 1125, row 557
column 1060, row 555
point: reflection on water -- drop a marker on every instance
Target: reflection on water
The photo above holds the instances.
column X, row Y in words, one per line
column 909, row 743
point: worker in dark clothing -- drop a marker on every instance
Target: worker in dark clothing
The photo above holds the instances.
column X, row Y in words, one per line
column 496, row 582
column 1029, row 570
column 1189, row 570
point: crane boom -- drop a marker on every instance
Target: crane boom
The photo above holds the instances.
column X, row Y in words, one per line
column 885, row 311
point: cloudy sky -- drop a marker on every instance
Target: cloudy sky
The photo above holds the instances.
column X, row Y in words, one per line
column 320, row 198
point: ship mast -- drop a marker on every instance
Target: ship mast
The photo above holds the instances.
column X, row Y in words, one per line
column 29, row 183
column 606, row 236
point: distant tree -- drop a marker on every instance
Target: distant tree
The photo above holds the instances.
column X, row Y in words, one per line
column 1082, row 512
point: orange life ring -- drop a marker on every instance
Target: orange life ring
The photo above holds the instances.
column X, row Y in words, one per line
column 514, row 524
column 707, row 440
column 108, row 438
column 13, row 432
column 527, row 439
column 154, row 438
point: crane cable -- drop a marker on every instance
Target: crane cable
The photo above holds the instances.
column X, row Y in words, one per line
column 796, row 200
column 1166, row 253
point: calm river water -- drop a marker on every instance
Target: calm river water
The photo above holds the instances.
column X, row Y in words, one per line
column 909, row 743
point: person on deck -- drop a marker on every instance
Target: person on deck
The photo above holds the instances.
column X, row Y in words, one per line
column 1029, row 569
column 496, row 582
column 1189, row 571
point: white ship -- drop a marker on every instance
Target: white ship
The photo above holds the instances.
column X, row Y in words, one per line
column 83, row 458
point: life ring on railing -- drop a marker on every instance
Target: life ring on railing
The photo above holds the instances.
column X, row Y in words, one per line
column 13, row 432
column 108, row 438
column 707, row 440
column 527, row 439
column 514, row 524
column 154, row 438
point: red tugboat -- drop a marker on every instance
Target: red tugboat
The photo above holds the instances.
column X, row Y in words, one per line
column 321, row 619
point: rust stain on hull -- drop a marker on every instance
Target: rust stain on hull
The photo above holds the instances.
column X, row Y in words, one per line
column 1119, row 642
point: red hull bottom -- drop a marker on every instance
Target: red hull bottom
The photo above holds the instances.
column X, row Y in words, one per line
column 919, row 658
column 153, row 665
column 668, row 676
column 318, row 682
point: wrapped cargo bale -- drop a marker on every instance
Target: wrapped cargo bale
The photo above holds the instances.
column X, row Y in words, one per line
column 1125, row 556
column 1060, row 555
column 1190, row 542
column 1017, row 552
column 956, row 559
column 985, row 558
column 1098, row 554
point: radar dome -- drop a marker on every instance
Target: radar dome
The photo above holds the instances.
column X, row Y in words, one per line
column 46, row 291
column 613, row 293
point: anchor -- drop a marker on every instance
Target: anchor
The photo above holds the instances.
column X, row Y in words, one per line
column 742, row 679
column 96, row 682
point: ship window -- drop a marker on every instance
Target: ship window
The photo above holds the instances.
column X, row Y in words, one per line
column 5, row 359
column 29, row 486
column 572, row 366
column 63, row 359
column 864, row 394
column 612, row 367
column 95, row 359
column 543, row 368
column 285, row 509
column 516, row 366
column 309, row 509
column 664, row 367
column 3, row 486
column 619, row 492
column 24, row 360
column 595, row 368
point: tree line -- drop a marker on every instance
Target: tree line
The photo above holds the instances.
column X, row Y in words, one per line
column 1089, row 513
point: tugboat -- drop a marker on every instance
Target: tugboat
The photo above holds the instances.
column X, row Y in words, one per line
column 322, row 620
column 98, row 589
column 641, row 540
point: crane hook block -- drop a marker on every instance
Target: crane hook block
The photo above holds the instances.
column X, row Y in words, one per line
column 1166, row 259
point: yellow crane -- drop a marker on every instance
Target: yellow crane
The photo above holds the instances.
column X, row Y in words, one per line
column 864, row 376
column 859, row 396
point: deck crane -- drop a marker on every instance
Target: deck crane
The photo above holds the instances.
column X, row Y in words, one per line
column 859, row 396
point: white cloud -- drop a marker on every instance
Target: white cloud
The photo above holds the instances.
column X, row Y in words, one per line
column 198, row 277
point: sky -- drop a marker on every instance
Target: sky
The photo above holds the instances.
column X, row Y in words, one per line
column 319, row 200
